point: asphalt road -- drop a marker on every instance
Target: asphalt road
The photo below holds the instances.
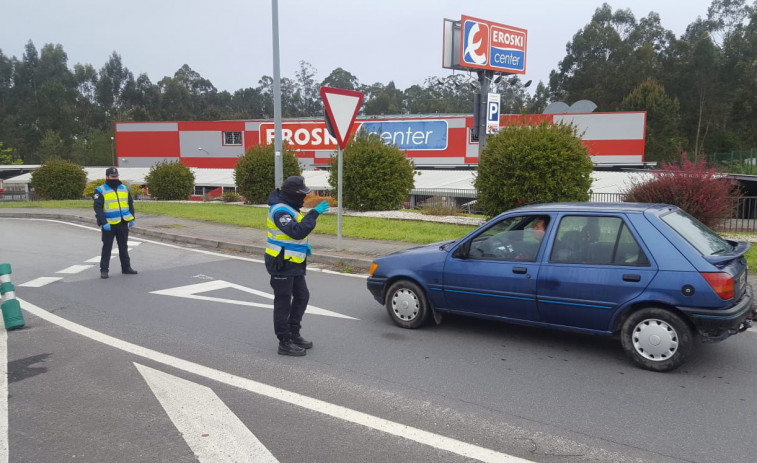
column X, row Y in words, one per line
column 179, row 363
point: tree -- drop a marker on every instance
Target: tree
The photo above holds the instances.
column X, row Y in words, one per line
column 6, row 156
column 663, row 137
column 382, row 99
column 339, row 78
column 255, row 174
column 376, row 176
column 51, row 147
column 59, row 179
column 525, row 163
column 170, row 181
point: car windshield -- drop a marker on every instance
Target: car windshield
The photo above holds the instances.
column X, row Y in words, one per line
column 695, row 232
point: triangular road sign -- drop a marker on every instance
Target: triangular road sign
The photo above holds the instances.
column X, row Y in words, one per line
column 341, row 109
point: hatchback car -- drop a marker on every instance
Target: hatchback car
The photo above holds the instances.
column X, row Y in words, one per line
column 650, row 273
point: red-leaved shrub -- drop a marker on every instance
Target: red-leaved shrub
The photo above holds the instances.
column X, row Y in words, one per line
column 690, row 185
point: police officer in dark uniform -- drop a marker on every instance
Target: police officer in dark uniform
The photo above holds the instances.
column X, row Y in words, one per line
column 114, row 209
column 286, row 254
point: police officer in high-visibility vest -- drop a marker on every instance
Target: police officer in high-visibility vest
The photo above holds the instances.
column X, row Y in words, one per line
column 114, row 209
column 286, row 254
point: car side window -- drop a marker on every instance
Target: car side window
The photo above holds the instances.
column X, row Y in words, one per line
column 595, row 240
column 512, row 239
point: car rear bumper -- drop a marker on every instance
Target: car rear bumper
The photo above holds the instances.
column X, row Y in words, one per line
column 716, row 325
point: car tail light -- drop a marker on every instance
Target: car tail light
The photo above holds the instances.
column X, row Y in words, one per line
column 721, row 283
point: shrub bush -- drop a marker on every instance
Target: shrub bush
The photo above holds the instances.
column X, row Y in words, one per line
column 57, row 179
column 312, row 200
column 440, row 206
column 136, row 191
column 700, row 191
column 170, row 181
column 525, row 164
column 231, row 197
column 89, row 190
column 255, row 172
column 377, row 177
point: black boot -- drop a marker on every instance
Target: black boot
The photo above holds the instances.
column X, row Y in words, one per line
column 287, row 347
column 300, row 341
column 103, row 273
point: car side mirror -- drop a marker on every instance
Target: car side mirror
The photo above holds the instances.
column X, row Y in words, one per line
column 462, row 251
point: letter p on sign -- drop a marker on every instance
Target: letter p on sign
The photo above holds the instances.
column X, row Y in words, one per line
column 492, row 113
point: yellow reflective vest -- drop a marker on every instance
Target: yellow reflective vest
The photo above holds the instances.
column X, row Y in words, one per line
column 115, row 203
column 294, row 250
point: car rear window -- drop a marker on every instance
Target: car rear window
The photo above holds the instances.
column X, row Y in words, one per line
column 697, row 234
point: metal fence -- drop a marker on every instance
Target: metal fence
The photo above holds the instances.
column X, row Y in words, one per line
column 743, row 218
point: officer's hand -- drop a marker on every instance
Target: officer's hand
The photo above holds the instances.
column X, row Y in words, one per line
column 322, row 207
column 106, row 227
column 309, row 251
column 131, row 223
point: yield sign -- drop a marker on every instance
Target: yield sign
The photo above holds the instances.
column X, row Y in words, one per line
column 341, row 108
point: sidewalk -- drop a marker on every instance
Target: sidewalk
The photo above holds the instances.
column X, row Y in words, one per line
column 355, row 254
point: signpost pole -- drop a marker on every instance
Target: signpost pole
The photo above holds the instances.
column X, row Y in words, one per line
column 484, row 77
column 339, row 199
column 278, row 163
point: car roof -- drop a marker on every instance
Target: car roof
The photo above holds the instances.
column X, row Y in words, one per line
column 596, row 207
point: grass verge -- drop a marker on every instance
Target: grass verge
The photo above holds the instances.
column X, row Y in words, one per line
column 375, row 228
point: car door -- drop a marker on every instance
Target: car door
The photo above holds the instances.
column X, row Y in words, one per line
column 494, row 272
column 596, row 264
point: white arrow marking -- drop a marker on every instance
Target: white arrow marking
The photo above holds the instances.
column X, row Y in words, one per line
column 213, row 432
column 190, row 292
column 464, row 449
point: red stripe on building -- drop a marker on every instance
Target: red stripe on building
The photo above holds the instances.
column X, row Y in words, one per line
column 148, row 144
column 614, row 147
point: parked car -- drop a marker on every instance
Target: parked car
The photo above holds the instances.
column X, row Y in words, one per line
column 650, row 273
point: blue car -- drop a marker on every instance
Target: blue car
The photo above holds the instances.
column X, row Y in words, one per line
column 649, row 273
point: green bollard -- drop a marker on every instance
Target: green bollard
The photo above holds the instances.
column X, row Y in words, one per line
column 12, row 315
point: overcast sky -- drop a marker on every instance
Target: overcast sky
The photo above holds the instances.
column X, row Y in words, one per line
column 230, row 42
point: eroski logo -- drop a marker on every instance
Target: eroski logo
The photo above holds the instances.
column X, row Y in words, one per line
column 476, row 41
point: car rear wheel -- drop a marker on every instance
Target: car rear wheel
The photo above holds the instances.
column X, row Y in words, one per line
column 656, row 339
column 406, row 304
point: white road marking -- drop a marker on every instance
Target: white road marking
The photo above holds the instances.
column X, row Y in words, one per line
column 299, row 400
column 4, row 453
column 41, row 281
column 75, row 269
column 190, row 292
column 94, row 260
column 213, row 432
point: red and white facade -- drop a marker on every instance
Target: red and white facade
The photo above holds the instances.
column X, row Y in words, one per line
column 613, row 139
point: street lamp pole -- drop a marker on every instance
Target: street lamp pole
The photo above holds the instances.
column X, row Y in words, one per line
column 113, row 149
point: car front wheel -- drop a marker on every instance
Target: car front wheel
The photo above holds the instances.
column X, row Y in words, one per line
column 656, row 339
column 406, row 304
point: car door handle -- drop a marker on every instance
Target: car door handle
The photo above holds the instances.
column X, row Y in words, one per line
column 520, row 270
column 631, row 277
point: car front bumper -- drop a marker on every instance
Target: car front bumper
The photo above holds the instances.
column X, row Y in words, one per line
column 377, row 285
